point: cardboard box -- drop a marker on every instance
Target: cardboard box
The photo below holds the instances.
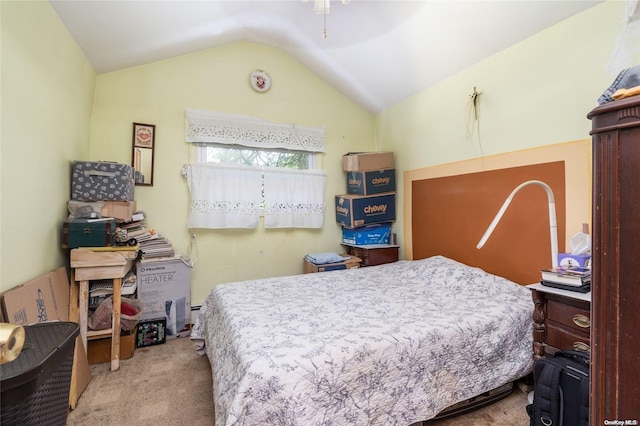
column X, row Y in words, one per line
column 164, row 288
column 370, row 234
column 359, row 210
column 360, row 161
column 351, row 262
column 99, row 350
column 121, row 211
column 46, row 298
column 568, row 259
column 371, row 182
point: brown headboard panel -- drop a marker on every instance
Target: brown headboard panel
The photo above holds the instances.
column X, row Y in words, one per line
column 450, row 215
column 448, row 207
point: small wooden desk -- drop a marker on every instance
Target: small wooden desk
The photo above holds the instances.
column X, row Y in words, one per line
column 98, row 264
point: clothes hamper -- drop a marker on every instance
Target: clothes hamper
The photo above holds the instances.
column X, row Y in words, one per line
column 35, row 386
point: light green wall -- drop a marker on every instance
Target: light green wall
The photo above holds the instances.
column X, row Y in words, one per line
column 47, row 94
column 218, row 80
column 535, row 93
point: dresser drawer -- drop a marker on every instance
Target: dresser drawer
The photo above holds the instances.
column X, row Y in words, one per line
column 565, row 338
column 573, row 317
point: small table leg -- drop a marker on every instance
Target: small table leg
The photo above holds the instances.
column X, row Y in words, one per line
column 84, row 310
column 115, row 324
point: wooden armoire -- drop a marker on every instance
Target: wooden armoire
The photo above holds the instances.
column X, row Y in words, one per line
column 615, row 287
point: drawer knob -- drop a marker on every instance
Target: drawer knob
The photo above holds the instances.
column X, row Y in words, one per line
column 579, row 346
column 581, row 321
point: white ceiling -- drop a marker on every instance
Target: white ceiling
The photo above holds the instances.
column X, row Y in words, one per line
column 377, row 53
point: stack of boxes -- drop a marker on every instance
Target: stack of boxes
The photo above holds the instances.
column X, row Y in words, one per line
column 102, row 210
column 367, row 210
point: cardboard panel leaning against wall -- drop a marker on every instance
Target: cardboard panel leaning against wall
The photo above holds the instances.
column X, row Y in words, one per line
column 46, row 298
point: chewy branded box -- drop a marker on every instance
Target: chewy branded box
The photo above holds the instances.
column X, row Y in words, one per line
column 371, row 182
column 164, row 288
column 365, row 235
column 359, row 210
column 358, row 161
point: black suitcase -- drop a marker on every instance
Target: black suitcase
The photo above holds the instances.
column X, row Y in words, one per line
column 561, row 390
column 88, row 233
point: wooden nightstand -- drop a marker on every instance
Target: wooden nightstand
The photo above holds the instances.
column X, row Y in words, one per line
column 375, row 254
column 561, row 320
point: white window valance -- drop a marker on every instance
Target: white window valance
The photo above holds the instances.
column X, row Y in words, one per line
column 215, row 127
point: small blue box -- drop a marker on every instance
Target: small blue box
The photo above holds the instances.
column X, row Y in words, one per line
column 370, row 234
column 568, row 259
column 359, row 210
column 371, row 182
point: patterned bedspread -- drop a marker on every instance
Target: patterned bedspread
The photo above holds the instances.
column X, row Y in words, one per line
column 384, row 345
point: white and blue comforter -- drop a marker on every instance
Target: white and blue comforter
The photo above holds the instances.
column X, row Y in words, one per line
column 385, row 345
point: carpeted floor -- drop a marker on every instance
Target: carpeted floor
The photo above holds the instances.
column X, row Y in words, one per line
column 170, row 384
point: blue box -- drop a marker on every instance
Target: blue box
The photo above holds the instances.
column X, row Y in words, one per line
column 371, row 182
column 370, row 234
column 359, row 210
column 568, row 259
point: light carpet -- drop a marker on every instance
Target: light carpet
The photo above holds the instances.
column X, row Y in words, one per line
column 170, row 384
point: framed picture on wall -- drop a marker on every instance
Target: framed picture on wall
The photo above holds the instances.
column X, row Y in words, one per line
column 143, row 135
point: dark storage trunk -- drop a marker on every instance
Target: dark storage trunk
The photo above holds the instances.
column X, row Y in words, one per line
column 88, row 233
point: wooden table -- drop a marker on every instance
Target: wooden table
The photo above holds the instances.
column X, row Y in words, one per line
column 98, row 264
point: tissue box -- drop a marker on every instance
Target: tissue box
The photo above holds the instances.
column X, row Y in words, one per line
column 568, row 259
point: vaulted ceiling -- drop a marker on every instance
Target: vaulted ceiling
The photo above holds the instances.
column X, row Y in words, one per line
column 377, row 52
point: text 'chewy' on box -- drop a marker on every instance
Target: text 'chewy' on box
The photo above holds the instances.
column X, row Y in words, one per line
column 359, row 210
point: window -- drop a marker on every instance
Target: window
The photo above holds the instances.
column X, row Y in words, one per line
column 247, row 166
column 256, row 157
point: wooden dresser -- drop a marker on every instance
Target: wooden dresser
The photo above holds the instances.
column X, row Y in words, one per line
column 561, row 320
column 374, row 254
column 615, row 281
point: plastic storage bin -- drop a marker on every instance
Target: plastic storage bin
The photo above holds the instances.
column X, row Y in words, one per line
column 35, row 386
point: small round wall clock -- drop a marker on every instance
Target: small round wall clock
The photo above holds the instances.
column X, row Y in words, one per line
column 260, row 81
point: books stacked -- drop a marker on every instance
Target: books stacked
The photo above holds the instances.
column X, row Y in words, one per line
column 151, row 244
column 101, row 289
column 573, row 278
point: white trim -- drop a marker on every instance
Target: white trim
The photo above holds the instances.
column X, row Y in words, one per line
column 231, row 129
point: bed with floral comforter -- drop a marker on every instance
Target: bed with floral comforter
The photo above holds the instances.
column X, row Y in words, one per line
column 384, row 345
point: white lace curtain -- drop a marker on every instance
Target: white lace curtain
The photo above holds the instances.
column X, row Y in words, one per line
column 232, row 196
column 224, row 196
column 294, row 198
column 227, row 196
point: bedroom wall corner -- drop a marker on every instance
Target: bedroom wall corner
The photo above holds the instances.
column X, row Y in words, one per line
column 217, row 79
column 47, row 96
column 536, row 93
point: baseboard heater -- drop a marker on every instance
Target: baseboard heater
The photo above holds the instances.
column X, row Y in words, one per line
column 476, row 402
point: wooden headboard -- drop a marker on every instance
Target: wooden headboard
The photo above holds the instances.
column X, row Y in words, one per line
column 448, row 212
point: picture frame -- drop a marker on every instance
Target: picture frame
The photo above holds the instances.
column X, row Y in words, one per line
column 142, row 155
column 144, row 135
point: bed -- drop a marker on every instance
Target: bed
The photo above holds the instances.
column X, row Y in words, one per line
column 397, row 344
column 391, row 344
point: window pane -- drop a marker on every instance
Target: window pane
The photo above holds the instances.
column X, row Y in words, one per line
column 257, row 157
